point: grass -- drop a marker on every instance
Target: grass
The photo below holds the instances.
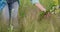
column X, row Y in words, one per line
column 30, row 19
column 29, row 15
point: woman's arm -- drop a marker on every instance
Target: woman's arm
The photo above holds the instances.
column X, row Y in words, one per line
column 38, row 5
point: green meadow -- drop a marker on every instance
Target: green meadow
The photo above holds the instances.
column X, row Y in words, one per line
column 31, row 19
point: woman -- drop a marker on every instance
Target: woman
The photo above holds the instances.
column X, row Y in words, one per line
column 10, row 11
